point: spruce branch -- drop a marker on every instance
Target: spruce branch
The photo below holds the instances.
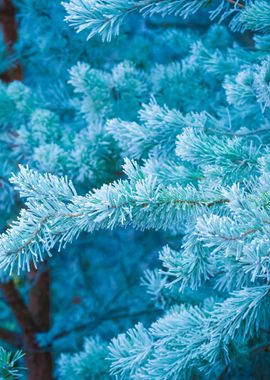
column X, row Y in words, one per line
column 106, row 17
column 53, row 220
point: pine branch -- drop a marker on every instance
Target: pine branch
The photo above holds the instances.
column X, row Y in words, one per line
column 106, row 17
column 80, row 215
column 9, row 368
column 56, row 220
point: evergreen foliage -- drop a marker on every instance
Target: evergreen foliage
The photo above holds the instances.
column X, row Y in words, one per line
column 9, row 364
column 160, row 131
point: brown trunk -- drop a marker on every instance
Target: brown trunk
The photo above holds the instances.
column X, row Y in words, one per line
column 40, row 364
column 39, row 297
column 8, row 22
column 32, row 320
column 9, row 28
column 21, row 313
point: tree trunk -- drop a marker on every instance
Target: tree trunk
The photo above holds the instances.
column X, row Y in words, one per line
column 9, row 28
column 40, row 364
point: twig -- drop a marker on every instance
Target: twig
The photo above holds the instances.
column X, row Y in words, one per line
column 236, row 3
column 12, row 338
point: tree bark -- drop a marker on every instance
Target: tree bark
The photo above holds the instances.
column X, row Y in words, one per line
column 8, row 22
column 21, row 313
column 10, row 33
column 40, row 364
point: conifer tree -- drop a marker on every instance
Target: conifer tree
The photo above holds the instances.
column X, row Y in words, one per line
column 163, row 131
